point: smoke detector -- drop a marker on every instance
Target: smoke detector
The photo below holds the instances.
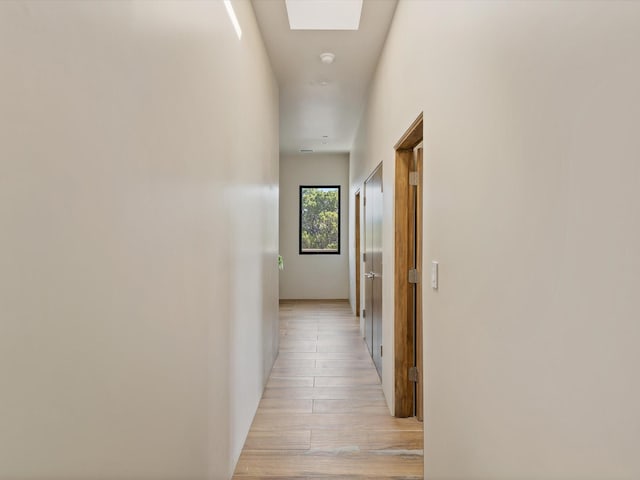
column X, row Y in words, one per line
column 327, row 57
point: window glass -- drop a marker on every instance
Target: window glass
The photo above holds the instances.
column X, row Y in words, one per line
column 319, row 219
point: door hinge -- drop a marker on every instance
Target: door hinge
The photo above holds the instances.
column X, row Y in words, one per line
column 413, row 375
column 364, row 257
column 364, row 313
column 413, row 179
column 414, row 276
column 380, row 350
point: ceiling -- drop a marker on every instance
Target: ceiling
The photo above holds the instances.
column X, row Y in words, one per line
column 320, row 104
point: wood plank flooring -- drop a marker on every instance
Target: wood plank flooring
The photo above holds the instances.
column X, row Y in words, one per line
column 323, row 414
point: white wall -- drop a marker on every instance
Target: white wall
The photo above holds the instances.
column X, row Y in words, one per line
column 132, row 288
column 312, row 276
column 532, row 208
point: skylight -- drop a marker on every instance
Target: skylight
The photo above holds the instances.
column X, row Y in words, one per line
column 324, row 14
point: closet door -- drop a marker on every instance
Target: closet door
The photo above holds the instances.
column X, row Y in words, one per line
column 373, row 266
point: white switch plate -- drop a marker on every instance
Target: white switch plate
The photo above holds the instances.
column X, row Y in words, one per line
column 434, row 275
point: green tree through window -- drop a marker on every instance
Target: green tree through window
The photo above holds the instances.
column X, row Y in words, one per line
column 320, row 219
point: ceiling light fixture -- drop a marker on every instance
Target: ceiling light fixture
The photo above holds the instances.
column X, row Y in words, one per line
column 327, row 57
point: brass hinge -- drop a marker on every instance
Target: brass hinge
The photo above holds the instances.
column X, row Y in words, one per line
column 413, row 374
column 413, row 179
column 414, row 277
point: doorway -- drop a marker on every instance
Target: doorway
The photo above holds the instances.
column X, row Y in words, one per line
column 372, row 314
column 408, row 322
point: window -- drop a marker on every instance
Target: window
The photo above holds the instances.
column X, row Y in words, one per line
column 319, row 219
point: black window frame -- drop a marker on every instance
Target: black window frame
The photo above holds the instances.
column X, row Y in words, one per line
column 332, row 252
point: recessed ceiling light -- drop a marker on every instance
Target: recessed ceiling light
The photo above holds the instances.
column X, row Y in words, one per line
column 327, row 57
column 324, row 14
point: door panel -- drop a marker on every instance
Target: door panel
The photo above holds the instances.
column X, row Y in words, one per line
column 373, row 270
column 368, row 284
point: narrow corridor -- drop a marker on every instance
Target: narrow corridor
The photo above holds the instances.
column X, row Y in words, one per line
column 323, row 413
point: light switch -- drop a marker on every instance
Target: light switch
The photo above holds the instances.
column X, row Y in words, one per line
column 434, row 275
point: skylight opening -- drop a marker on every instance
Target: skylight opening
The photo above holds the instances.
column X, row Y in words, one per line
column 324, row 14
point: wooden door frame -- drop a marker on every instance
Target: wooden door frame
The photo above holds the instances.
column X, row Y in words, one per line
column 404, row 339
column 358, row 250
column 419, row 306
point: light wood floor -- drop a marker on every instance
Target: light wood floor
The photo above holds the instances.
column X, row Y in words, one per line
column 323, row 414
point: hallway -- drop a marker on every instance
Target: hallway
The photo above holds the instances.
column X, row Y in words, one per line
column 323, row 414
